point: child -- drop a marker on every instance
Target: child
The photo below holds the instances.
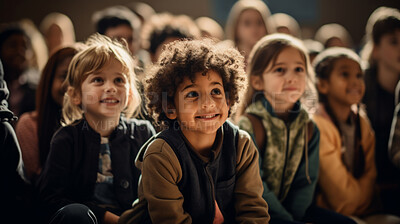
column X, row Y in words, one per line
column 381, row 77
column 202, row 169
column 347, row 166
column 288, row 141
column 333, row 35
column 246, row 24
column 35, row 129
column 91, row 158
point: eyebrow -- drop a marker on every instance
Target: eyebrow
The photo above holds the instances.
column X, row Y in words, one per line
column 194, row 85
column 297, row 62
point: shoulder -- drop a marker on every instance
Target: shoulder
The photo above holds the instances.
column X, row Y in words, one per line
column 244, row 123
column 159, row 150
column 140, row 125
column 27, row 119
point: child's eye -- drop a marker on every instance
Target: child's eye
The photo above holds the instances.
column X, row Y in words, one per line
column 280, row 69
column 192, row 94
column 119, row 80
column 97, row 80
column 299, row 69
column 360, row 76
column 216, row 91
column 345, row 74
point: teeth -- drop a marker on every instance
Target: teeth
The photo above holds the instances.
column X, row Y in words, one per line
column 109, row 101
column 208, row 116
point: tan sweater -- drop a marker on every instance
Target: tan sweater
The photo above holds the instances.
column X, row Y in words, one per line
column 161, row 172
column 340, row 191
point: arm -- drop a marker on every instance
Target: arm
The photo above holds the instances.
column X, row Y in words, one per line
column 276, row 209
column 53, row 182
column 394, row 139
column 161, row 173
column 249, row 205
column 301, row 192
column 342, row 192
column 26, row 130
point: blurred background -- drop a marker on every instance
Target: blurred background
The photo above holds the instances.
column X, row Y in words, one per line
column 311, row 14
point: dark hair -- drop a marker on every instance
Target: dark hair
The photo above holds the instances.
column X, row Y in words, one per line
column 185, row 58
column 323, row 65
column 49, row 112
column 383, row 26
column 9, row 31
column 165, row 25
column 115, row 16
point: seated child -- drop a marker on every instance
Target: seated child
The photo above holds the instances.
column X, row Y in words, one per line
column 91, row 160
column 347, row 147
column 202, row 168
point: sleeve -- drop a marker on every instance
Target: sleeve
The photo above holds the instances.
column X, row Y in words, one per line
column 276, row 209
column 26, row 130
column 394, row 139
column 250, row 206
column 161, row 172
column 301, row 193
column 54, row 182
column 341, row 191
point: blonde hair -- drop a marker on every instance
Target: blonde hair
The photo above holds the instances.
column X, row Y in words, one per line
column 98, row 52
column 265, row 52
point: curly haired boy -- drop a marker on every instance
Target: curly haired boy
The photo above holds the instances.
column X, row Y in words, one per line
column 201, row 168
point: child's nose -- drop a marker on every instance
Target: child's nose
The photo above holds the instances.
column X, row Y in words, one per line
column 207, row 101
column 110, row 87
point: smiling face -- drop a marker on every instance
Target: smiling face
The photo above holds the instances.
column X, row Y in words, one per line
column 345, row 85
column 284, row 81
column 200, row 106
column 104, row 93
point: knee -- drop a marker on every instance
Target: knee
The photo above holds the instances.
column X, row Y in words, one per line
column 74, row 213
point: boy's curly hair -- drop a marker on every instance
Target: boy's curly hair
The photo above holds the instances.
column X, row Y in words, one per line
column 185, row 58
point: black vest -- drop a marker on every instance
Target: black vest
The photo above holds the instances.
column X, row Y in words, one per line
column 202, row 182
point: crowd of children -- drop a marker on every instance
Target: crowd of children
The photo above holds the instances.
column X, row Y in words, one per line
column 157, row 119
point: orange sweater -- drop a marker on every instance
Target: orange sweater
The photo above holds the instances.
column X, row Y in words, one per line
column 339, row 190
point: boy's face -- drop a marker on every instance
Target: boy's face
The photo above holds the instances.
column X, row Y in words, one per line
column 387, row 52
column 200, row 107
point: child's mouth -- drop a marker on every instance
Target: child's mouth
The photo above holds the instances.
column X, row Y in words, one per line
column 209, row 116
column 109, row 101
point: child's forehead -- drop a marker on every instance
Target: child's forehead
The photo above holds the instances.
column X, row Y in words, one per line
column 209, row 75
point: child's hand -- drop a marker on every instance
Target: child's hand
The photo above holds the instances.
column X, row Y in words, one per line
column 110, row 218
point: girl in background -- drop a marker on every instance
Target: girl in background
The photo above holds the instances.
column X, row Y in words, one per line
column 280, row 82
column 347, row 167
column 246, row 24
column 35, row 129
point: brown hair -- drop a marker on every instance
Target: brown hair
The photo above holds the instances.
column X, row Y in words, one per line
column 185, row 58
column 265, row 52
column 48, row 111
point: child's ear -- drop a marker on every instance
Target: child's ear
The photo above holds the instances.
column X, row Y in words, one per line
column 170, row 111
column 322, row 86
column 74, row 95
column 257, row 82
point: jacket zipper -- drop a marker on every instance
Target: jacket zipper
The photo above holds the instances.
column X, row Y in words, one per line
column 286, row 160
